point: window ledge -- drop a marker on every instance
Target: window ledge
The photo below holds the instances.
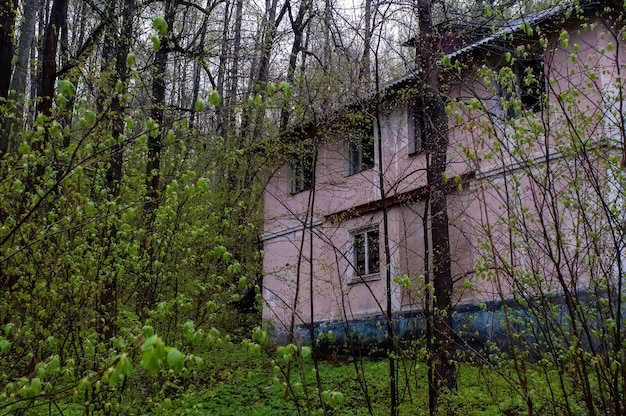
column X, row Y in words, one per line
column 292, row 192
column 365, row 169
column 364, row 279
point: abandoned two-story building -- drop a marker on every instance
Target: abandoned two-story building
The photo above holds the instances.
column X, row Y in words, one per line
column 535, row 124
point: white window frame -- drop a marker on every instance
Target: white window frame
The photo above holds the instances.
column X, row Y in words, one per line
column 367, row 273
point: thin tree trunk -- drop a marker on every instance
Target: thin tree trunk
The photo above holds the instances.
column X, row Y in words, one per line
column 235, row 62
column 27, row 34
column 17, row 87
column 298, row 25
column 364, row 65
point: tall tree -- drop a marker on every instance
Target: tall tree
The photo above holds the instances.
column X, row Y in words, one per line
column 20, row 73
column 8, row 11
column 428, row 55
column 48, row 75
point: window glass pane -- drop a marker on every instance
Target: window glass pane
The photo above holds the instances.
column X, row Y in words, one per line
column 368, row 152
column 355, row 158
column 301, row 173
column 416, row 126
column 361, row 146
column 373, row 252
column 532, row 84
column 525, row 91
column 359, row 250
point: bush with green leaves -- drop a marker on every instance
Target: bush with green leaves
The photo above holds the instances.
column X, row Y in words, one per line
column 100, row 286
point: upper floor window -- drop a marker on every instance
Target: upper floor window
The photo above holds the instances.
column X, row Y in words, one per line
column 366, row 253
column 301, row 173
column 521, row 87
column 416, row 130
column 361, row 148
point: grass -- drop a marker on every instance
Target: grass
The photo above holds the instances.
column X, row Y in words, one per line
column 236, row 382
column 253, row 385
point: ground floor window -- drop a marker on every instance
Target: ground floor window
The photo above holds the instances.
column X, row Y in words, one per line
column 366, row 253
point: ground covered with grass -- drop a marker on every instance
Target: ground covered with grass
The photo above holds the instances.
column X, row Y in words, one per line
column 252, row 384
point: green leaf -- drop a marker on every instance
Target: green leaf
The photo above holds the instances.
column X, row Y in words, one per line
column 306, row 352
column 123, row 368
column 215, row 99
column 35, row 386
column 260, row 336
column 160, row 25
column 5, row 346
column 83, row 384
column 286, row 88
column 151, row 361
column 218, row 252
column 150, row 343
column 564, row 39
column 156, row 42
column 130, row 59
column 66, row 88
column 176, row 360
column 199, row 106
column 61, row 101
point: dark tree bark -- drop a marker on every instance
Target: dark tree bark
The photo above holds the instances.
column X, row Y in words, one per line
column 364, row 65
column 48, row 76
column 158, row 108
column 235, row 60
column 114, row 67
column 149, row 289
column 428, row 54
column 298, row 25
column 261, row 73
column 8, row 11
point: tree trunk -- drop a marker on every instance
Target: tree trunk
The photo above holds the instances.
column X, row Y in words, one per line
column 155, row 144
column 20, row 74
column 47, row 76
column 114, row 66
column 428, row 54
column 298, row 25
column 8, row 11
column 364, row 65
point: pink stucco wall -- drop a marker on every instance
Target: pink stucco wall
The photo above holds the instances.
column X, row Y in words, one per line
column 479, row 211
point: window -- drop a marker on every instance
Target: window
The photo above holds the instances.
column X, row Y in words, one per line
column 361, row 148
column 521, row 87
column 366, row 253
column 301, row 173
column 415, row 119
